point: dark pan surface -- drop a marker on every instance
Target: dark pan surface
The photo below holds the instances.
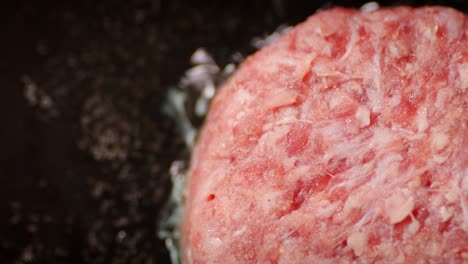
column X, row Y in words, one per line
column 85, row 148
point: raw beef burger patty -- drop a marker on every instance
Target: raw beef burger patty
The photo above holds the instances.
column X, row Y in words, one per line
column 344, row 141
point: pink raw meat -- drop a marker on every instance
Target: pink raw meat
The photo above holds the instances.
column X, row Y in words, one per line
column 344, row 141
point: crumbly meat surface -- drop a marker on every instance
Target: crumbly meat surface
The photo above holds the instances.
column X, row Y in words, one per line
column 344, row 141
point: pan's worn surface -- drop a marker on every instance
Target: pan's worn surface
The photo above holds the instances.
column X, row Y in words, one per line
column 85, row 146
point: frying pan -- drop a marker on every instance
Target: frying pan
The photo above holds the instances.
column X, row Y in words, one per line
column 86, row 149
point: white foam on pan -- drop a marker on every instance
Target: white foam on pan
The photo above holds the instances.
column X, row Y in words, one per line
column 260, row 42
column 369, row 7
column 202, row 79
column 168, row 226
